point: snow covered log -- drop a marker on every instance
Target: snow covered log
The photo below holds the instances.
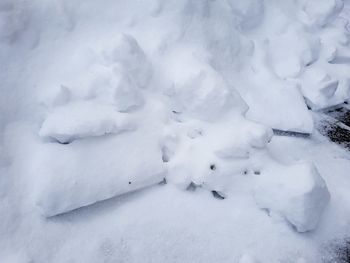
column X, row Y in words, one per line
column 296, row 192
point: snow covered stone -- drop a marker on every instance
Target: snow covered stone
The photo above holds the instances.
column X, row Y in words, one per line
column 81, row 119
column 297, row 192
column 87, row 171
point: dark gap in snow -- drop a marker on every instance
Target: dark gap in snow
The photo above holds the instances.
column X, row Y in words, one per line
column 192, row 187
column 165, row 155
column 163, row 182
column 55, row 140
column 64, row 143
column 267, row 211
column 218, row 195
column 257, row 172
column 291, row 133
column 213, row 167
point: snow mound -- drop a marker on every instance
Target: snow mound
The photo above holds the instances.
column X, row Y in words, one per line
column 82, row 119
column 297, row 192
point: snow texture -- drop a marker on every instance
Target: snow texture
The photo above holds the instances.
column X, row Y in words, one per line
column 297, row 192
column 78, row 120
column 103, row 99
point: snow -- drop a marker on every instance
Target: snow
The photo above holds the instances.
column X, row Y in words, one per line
column 297, row 192
column 112, row 167
column 143, row 130
column 315, row 13
column 82, row 119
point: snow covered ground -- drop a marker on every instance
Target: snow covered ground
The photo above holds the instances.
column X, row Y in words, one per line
column 142, row 131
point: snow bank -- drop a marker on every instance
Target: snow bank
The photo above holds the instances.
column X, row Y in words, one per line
column 183, row 89
column 297, row 192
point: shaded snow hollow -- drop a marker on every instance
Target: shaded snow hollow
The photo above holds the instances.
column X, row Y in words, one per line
column 104, row 102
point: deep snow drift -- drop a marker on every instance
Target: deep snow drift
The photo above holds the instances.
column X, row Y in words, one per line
column 143, row 130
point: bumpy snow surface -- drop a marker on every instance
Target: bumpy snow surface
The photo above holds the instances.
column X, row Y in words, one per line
column 142, row 131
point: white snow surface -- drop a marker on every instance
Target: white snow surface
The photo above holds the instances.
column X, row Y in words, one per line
column 83, row 119
column 297, row 192
column 102, row 100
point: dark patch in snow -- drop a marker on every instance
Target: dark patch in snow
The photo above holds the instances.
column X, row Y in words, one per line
column 163, row 182
column 218, row 195
column 192, row 187
column 335, row 124
column 212, row 167
column 165, row 155
column 341, row 114
column 55, row 140
column 340, row 60
column 290, row 133
column 337, row 251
